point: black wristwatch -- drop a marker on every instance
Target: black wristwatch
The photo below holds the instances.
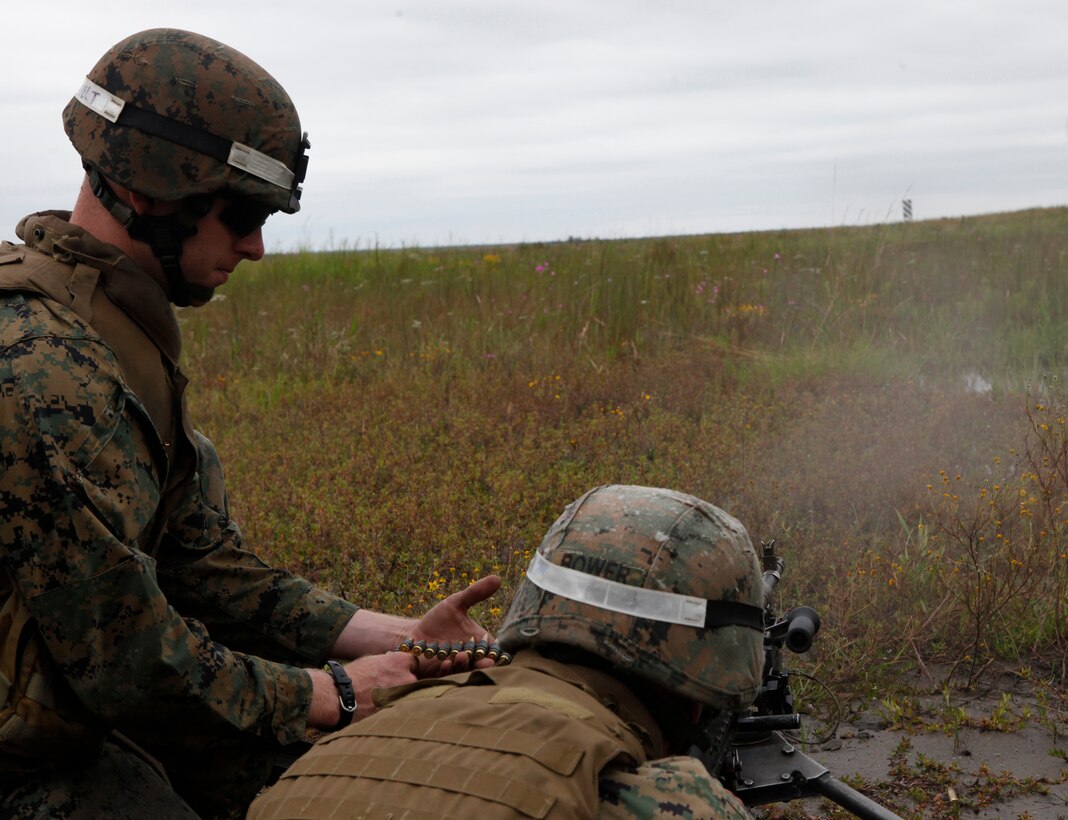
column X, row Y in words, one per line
column 346, row 694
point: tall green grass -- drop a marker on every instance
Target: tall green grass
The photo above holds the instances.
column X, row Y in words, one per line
column 395, row 422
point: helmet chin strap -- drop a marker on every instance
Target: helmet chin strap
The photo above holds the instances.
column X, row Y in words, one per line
column 165, row 235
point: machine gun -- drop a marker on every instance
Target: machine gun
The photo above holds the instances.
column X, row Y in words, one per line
column 753, row 754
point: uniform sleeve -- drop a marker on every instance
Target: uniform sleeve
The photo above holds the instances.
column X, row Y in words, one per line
column 675, row 787
column 246, row 604
column 79, row 486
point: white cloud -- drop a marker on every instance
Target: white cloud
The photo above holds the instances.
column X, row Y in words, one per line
column 448, row 120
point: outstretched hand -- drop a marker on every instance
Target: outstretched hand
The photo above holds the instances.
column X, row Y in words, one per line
column 373, row 633
column 448, row 621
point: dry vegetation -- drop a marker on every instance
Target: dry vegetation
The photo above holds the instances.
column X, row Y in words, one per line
column 884, row 400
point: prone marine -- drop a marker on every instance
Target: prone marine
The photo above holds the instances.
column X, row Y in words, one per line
column 611, row 684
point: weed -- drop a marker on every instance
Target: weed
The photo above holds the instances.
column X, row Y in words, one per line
column 385, row 415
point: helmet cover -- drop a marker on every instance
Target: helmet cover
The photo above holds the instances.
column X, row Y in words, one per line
column 631, row 545
column 172, row 114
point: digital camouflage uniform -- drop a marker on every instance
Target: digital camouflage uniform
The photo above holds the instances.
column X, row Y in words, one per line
column 537, row 739
column 131, row 615
column 677, row 787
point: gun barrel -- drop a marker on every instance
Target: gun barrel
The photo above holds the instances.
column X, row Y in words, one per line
column 849, row 798
column 771, row 579
column 773, row 566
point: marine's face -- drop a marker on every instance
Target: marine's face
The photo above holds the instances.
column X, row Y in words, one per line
column 222, row 240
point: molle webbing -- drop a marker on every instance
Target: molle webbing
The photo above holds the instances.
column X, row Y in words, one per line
column 327, row 804
column 562, row 758
column 448, row 777
column 526, row 741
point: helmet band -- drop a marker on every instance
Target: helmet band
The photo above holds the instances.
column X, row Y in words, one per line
column 651, row 604
column 98, row 99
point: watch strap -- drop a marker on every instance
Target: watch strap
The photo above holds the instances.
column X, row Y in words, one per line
column 346, row 693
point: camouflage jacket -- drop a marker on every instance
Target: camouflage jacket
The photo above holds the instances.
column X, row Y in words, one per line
column 677, row 787
column 127, row 599
column 537, row 738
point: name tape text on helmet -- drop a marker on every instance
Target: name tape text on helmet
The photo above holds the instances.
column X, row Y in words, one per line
column 107, row 105
column 653, row 604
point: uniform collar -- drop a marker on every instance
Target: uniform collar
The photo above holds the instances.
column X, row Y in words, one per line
column 611, row 693
column 140, row 296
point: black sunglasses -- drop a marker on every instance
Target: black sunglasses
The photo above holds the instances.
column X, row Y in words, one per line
column 243, row 216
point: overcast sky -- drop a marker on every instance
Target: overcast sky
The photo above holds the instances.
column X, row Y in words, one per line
column 483, row 121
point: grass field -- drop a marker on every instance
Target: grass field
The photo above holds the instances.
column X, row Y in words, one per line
column 885, row 401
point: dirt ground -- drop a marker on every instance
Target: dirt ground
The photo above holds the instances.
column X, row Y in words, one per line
column 1031, row 742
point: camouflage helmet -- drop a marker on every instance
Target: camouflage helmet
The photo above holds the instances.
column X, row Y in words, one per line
column 172, row 114
column 661, row 584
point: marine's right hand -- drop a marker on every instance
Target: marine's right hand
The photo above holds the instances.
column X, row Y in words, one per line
column 377, row 672
column 367, row 673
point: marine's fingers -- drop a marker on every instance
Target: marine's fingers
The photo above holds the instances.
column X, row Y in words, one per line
column 479, row 591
